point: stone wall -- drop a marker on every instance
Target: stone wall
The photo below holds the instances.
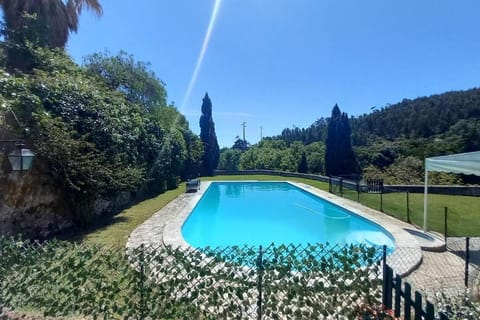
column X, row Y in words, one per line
column 35, row 205
column 32, row 205
column 453, row 190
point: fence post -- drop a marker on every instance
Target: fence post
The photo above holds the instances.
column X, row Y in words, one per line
column 259, row 283
column 408, row 301
column 1, row 293
column 381, row 201
column 142, row 282
column 467, row 260
column 358, row 190
column 1, row 275
column 387, row 281
column 418, row 306
column 398, row 295
column 408, row 207
column 430, row 314
column 341, row 186
column 446, row 228
column 330, row 184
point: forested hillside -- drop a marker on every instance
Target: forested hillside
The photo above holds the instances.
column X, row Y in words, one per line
column 391, row 142
column 418, row 118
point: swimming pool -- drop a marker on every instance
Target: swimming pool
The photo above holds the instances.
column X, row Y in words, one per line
column 261, row 213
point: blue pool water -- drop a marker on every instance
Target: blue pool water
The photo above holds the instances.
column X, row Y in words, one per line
column 261, row 213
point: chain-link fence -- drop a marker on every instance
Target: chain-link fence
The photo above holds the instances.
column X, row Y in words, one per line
column 451, row 272
column 467, row 249
column 275, row 282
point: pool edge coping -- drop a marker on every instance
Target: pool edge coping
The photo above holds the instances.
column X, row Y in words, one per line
column 406, row 257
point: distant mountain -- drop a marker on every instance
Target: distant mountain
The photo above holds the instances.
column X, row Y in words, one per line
column 423, row 117
column 419, row 118
column 392, row 142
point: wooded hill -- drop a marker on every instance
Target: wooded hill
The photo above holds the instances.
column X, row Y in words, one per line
column 392, row 142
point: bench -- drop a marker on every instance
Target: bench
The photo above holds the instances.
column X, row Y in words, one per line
column 193, row 185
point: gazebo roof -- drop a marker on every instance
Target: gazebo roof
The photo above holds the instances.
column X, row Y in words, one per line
column 466, row 163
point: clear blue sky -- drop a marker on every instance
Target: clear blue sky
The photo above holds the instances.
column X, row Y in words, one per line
column 279, row 63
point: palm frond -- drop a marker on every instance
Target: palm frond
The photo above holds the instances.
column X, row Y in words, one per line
column 56, row 18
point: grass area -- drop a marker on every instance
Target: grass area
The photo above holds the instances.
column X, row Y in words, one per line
column 115, row 230
column 462, row 211
column 462, row 217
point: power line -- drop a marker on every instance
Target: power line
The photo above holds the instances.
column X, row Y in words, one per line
column 244, row 124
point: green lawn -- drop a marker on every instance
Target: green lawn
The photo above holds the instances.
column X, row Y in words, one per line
column 115, row 231
column 462, row 217
column 463, row 211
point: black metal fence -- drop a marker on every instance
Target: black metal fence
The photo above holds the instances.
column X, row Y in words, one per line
column 458, row 267
column 408, row 206
column 399, row 299
column 467, row 249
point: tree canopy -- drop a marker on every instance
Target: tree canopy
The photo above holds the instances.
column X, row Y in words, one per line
column 391, row 142
column 133, row 78
column 99, row 130
column 91, row 138
column 339, row 156
column 209, row 138
column 53, row 19
column 38, row 23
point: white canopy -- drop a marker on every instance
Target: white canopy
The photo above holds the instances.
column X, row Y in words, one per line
column 466, row 163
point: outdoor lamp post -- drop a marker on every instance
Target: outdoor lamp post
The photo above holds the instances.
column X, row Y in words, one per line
column 21, row 159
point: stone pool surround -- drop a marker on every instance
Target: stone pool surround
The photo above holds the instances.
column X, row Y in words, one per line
column 164, row 227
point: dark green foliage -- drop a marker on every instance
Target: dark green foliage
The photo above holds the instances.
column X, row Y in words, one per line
column 272, row 155
column 316, row 132
column 18, row 55
column 429, row 126
column 54, row 19
column 302, row 282
column 421, row 117
column 91, row 138
column 424, row 127
column 339, row 156
column 193, row 160
column 76, row 127
column 316, row 157
column 39, row 23
column 275, row 155
column 211, row 153
column 229, row 159
column 241, row 144
column 133, row 78
column 303, row 166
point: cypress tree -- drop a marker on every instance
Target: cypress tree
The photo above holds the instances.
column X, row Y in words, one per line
column 211, row 153
column 303, row 166
column 340, row 159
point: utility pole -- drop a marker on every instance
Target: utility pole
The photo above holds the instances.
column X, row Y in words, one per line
column 261, row 133
column 244, row 124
